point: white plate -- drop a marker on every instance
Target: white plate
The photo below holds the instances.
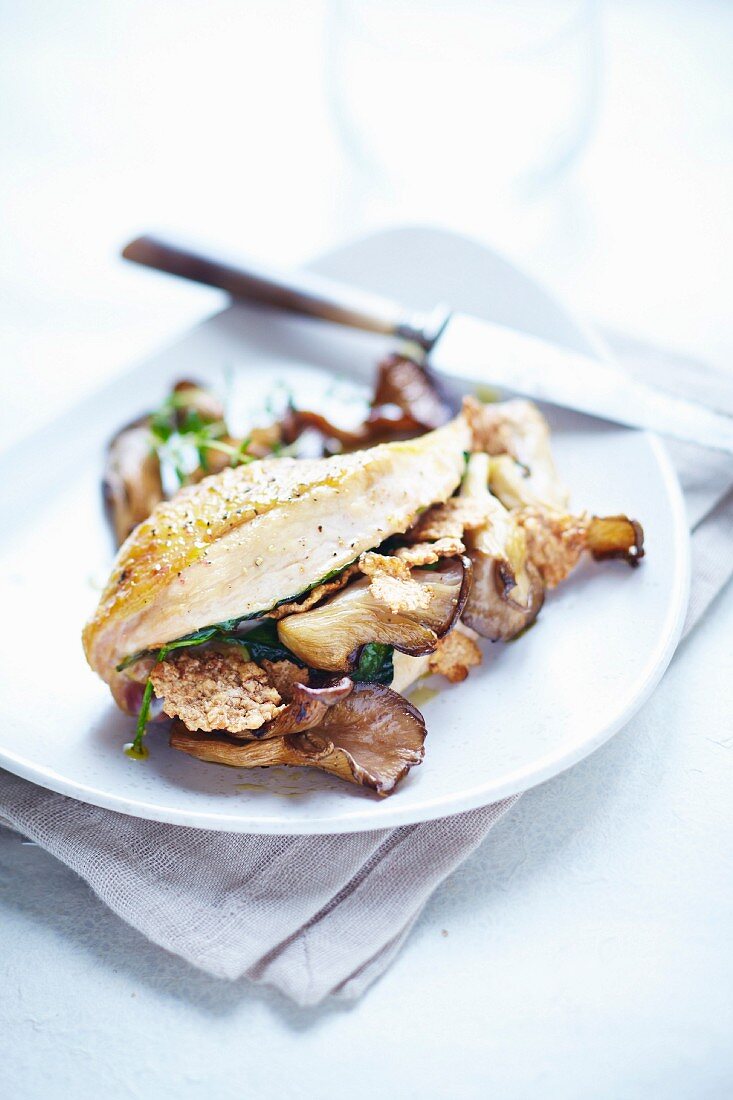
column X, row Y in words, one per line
column 535, row 707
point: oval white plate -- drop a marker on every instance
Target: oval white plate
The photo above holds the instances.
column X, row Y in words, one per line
column 535, row 707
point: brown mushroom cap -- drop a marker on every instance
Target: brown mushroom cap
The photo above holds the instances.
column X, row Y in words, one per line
column 507, row 591
column 307, row 708
column 330, row 636
column 372, row 737
column 131, row 483
column 410, row 387
column 490, row 609
column 407, row 401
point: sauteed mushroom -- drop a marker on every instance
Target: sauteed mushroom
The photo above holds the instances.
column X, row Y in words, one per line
column 132, row 484
column 556, row 542
column 407, row 402
column 489, row 610
column 372, row 738
column 518, row 429
column 330, row 636
column 507, row 591
column 410, row 387
column 307, row 707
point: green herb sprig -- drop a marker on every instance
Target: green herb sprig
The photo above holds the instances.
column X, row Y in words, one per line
column 136, row 749
column 183, row 438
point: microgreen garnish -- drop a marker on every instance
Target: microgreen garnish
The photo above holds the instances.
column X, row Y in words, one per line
column 183, row 438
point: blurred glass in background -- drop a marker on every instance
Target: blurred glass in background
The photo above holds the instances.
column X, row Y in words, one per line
column 460, row 113
column 283, row 127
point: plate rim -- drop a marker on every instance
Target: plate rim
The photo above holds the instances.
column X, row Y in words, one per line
column 546, row 767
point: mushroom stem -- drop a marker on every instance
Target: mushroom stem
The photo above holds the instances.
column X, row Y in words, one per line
column 507, row 592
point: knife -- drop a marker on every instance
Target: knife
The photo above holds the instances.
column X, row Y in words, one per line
column 457, row 345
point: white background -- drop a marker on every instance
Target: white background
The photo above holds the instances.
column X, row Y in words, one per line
column 584, row 950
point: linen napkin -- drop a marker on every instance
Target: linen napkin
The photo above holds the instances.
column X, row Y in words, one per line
column 324, row 915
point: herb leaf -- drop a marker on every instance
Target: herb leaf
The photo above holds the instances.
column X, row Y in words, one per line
column 197, row 638
column 136, row 749
column 375, row 664
column 262, row 643
column 183, row 438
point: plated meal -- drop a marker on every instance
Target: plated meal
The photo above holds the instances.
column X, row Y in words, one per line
column 276, row 596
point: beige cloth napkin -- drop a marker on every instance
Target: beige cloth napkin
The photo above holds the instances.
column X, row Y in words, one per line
column 324, row 915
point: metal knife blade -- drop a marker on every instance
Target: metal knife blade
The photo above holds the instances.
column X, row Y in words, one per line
column 458, row 346
column 472, row 350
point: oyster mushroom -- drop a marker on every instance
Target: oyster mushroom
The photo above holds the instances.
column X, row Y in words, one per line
column 556, row 541
column 330, row 636
column 407, row 402
column 372, row 738
column 555, row 538
column 132, row 484
column 511, row 483
column 517, row 429
column 615, row 537
column 490, row 611
column 410, row 387
column 507, row 590
column 306, row 708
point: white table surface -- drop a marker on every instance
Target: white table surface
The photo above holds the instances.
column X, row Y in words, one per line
column 585, row 948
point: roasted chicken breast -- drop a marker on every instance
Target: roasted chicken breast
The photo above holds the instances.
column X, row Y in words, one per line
column 246, row 539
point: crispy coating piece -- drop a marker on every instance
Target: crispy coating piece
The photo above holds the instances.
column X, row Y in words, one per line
column 375, row 565
column 400, row 596
column 283, row 675
column 216, row 690
column 448, row 520
column 456, row 653
column 305, row 603
column 381, row 566
column 427, row 553
column 555, row 540
column 392, row 585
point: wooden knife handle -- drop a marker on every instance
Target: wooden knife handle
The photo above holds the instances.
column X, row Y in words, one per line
column 294, row 292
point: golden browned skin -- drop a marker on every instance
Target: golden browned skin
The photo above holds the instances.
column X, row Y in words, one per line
column 239, row 542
